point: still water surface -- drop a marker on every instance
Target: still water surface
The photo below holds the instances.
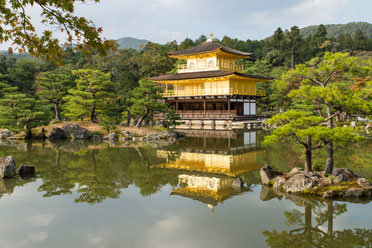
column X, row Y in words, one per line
column 181, row 195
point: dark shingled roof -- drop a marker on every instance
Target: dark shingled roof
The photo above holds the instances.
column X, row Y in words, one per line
column 204, row 74
column 210, row 46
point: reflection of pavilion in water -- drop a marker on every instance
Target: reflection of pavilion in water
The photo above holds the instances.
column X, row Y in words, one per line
column 209, row 164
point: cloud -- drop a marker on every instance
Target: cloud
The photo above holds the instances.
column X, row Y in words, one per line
column 166, row 20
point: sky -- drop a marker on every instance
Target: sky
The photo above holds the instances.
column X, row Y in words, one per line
column 167, row 20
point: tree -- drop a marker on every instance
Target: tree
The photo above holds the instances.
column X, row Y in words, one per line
column 325, row 85
column 23, row 74
column 20, row 112
column 360, row 40
column 17, row 26
column 171, row 119
column 53, row 86
column 146, row 100
column 303, row 127
column 294, row 43
column 87, row 99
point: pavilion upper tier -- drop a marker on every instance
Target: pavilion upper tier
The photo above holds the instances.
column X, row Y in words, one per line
column 208, row 56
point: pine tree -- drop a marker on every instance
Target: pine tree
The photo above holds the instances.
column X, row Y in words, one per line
column 53, row 86
column 86, row 101
column 20, row 112
column 146, row 100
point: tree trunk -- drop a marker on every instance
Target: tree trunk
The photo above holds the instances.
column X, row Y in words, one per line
column 292, row 59
column 308, row 153
column 142, row 118
column 93, row 114
column 57, row 112
column 329, row 164
column 129, row 117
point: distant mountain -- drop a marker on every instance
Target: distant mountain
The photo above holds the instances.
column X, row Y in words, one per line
column 334, row 30
column 129, row 42
column 16, row 55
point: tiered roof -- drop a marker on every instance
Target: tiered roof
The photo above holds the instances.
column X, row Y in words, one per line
column 206, row 74
column 209, row 46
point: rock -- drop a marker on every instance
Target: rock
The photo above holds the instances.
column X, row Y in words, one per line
column 70, row 127
column 349, row 174
column 96, row 137
column 153, row 136
column 237, row 184
column 363, row 182
column 340, row 178
column 126, row 134
column 80, row 133
column 113, row 136
column 325, row 181
column 5, row 134
column 26, row 170
column 279, row 182
column 7, row 167
column 329, row 194
column 353, row 124
column 298, row 183
column 168, row 134
column 56, row 133
column 295, row 170
column 357, row 192
column 105, row 138
column 267, row 174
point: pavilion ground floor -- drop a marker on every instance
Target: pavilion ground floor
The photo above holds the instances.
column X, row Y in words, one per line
column 215, row 113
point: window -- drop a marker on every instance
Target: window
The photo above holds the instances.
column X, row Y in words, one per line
column 210, row 63
column 191, row 65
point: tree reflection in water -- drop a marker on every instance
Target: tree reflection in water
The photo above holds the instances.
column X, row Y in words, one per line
column 309, row 224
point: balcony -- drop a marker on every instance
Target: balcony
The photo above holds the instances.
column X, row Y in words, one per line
column 213, row 92
column 221, row 65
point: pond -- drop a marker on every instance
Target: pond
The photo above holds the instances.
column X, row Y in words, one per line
column 181, row 195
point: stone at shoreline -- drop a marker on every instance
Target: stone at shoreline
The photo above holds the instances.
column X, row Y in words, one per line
column 56, row 133
column 113, row 136
column 299, row 183
column 237, row 184
column 153, row 136
column 96, row 137
column 7, row 167
column 5, row 134
column 126, row 134
column 168, row 134
column 279, row 182
column 357, row 192
column 347, row 173
column 80, row 133
column 267, row 174
column 69, row 127
column 26, row 170
column 363, row 182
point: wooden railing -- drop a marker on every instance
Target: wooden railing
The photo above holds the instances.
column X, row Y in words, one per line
column 221, row 65
column 213, row 92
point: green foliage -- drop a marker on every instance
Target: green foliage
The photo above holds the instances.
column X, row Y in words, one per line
column 145, row 100
column 86, row 101
column 52, row 86
column 23, row 74
column 171, row 119
column 58, row 15
column 20, row 112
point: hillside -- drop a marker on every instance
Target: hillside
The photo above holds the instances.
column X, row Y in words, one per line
column 334, row 30
column 129, row 42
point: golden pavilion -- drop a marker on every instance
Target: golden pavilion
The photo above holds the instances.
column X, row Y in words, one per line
column 211, row 85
